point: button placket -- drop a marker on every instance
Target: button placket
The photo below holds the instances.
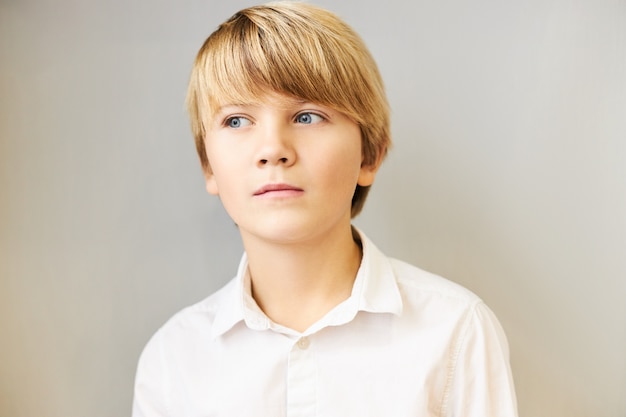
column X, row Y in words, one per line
column 303, row 343
column 301, row 380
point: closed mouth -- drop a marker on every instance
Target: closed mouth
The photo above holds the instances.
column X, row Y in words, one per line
column 271, row 188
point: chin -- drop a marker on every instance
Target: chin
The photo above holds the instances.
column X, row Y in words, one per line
column 284, row 231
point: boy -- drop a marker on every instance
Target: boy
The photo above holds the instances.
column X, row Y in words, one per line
column 291, row 124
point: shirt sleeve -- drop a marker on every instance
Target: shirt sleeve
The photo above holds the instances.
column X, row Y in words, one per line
column 481, row 384
column 151, row 393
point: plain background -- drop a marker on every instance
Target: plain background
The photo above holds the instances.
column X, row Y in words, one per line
column 508, row 176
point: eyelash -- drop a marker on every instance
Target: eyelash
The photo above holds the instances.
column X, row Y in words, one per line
column 227, row 122
column 310, row 113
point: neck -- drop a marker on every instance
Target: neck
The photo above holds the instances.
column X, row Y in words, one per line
column 297, row 284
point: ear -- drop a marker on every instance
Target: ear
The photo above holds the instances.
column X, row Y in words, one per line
column 209, row 181
column 367, row 175
column 368, row 172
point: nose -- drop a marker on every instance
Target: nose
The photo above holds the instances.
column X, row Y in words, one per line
column 276, row 147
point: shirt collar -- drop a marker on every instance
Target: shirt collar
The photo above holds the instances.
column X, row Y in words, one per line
column 375, row 291
column 376, row 281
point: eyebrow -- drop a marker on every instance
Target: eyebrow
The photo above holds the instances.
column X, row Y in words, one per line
column 282, row 101
column 224, row 108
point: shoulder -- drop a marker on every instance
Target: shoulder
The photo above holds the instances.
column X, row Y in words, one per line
column 410, row 280
column 172, row 353
column 431, row 299
column 174, row 346
column 415, row 282
column 423, row 294
column 197, row 319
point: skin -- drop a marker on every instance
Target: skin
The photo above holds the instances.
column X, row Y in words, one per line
column 286, row 171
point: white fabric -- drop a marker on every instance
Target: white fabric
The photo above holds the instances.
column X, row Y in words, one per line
column 406, row 343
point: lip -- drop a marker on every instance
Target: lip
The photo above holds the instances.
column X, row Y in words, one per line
column 278, row 190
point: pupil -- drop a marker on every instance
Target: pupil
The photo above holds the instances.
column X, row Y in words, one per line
column 234, row 123
column 305, row 118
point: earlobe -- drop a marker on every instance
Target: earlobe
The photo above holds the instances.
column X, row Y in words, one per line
column 368, row 172
column 367, row 175
column 210, row 183
column 209, row 178
column 211, row 186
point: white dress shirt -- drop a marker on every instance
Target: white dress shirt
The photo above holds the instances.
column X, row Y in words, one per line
column 406, row 343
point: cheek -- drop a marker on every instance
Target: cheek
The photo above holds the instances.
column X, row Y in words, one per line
column 341, row 168
column 221, row 163
column 229, row 198
column 220, row 180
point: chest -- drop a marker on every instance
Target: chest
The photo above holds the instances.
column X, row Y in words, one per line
column 368, row 368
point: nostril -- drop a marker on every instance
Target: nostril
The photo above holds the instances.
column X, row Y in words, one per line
column 263, row 161
column 283, row 160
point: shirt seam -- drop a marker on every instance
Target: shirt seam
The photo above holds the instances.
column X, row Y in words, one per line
column 456, row 351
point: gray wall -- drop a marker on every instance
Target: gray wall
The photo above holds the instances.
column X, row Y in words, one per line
column 508, row 176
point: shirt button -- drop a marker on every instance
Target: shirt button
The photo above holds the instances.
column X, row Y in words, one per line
column 303, row 343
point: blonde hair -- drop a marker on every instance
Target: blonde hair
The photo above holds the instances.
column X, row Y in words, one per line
column 298, row 50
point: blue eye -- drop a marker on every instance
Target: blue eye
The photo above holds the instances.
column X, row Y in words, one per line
column 308, row 118
column 236, row 122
